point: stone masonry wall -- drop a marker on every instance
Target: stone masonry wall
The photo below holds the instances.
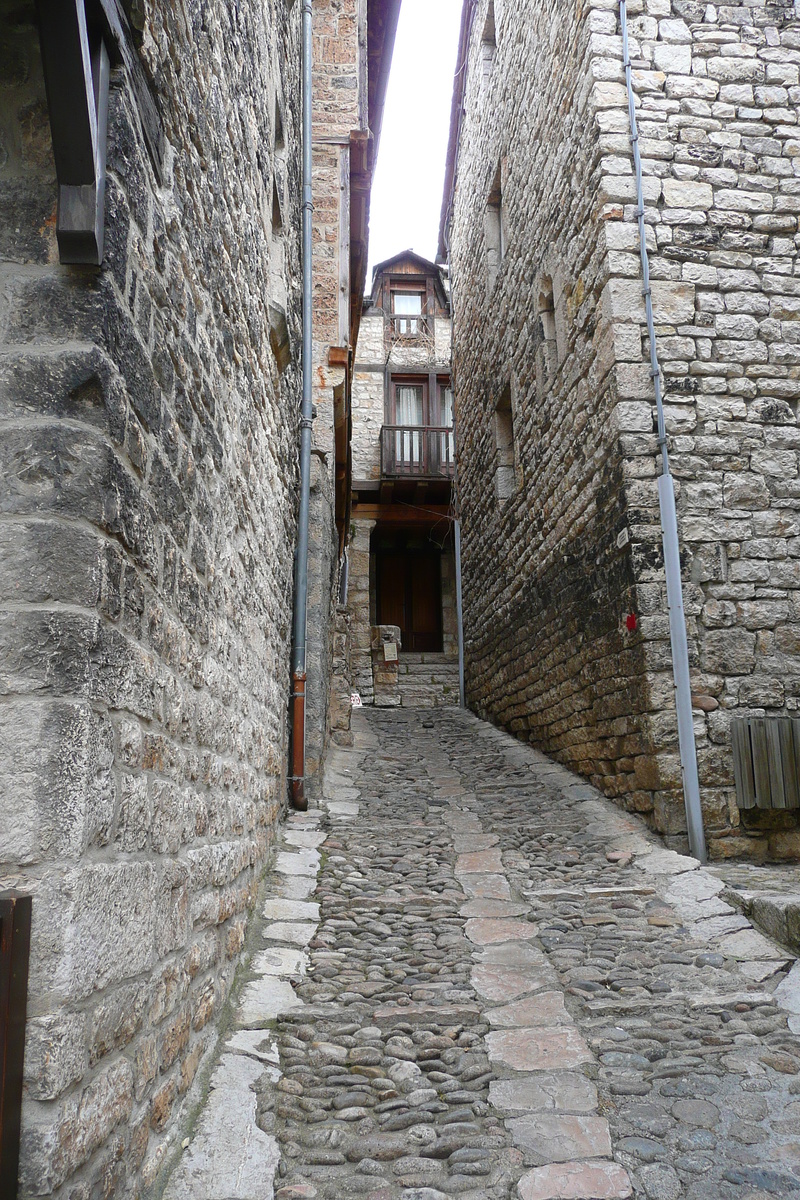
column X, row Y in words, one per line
column 575, row 524
column 147, row 527
column 369, row 402
column 337, row 111
column 718, row 109
column 547, row 580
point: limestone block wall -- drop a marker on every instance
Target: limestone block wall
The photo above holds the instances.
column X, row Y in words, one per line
column 547, row 579
column 338, row 108
column 369, row 398
column 567, row 543
column 719, row 103
column 147, row 526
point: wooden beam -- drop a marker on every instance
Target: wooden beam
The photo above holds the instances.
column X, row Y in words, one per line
column 76, row 75
column 80, row 39
column 15, row 939
column 402, row 514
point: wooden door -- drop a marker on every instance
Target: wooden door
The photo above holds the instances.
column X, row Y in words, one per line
column 392, row 587
column 426, row 602
column 409, row 595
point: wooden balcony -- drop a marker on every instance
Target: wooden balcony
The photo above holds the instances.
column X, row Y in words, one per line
column 408, row 327
column 417, row 452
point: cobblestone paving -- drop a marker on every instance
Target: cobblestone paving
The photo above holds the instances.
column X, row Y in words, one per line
column 511, row 991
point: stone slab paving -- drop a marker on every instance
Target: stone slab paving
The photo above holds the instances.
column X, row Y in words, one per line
column 491, row 984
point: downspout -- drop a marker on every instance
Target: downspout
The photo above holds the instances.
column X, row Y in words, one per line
column 298, row 663
column 459, row 615
column 669, row 519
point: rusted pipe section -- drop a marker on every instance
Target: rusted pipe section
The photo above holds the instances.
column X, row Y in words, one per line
column 298, row 780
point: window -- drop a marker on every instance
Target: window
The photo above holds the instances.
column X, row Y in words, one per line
column 409, row 412
column 505, row 476
column 544, row 335
column 407, row 305
column 495, row 230
column 447, row 448
column 488, row 46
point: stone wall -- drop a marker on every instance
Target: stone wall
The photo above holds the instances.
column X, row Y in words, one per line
column 369, row 402
column 557, row 453
column 146, row 536
column 339, row 109
column 719, row 107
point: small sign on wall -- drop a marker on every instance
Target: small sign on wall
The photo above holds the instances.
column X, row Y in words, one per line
column 390, row 652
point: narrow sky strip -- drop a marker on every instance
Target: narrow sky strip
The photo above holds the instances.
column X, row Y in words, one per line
column 407, row 193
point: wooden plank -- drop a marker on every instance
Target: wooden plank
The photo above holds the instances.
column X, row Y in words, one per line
column 774, row 763
column 791, row 778
column 15, row 939
column 118, row 29
column 743, row 763
column 402, row 514
column 761, row 775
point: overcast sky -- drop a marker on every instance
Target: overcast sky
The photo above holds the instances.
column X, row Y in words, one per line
column 407, row 193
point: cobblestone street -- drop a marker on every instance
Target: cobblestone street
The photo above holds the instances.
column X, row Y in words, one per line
column 489, row 983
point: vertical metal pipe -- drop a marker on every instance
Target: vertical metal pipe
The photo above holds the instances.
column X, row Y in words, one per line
column 299, row 799
column 669, row 520
column 459, row 615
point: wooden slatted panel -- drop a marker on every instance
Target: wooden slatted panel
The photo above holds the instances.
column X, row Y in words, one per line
column 791, row 763
column 777, row 794
column 761, row 775
column 743, row 764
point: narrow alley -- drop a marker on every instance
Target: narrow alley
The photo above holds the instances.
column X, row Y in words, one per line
column 485, row 981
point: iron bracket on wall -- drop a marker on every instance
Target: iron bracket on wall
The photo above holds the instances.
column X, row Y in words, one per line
column 80, row 41
column 15, row 940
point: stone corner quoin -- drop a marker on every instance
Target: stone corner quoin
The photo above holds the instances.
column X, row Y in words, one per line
column 560, row 517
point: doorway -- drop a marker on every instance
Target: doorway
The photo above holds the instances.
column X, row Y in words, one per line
column 409, row 594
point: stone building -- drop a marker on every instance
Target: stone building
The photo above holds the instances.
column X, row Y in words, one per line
column 401, row 556
column 567, row 635
column 150, row 312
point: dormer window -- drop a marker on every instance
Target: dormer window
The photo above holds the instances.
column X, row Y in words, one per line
column 407, row 310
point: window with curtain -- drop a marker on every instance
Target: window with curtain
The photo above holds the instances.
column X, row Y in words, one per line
column 447, row 449
column 407, row 304
column 409, row 400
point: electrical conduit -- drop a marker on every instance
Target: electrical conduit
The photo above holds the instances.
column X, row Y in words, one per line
column 299, row 616
column 669, row 520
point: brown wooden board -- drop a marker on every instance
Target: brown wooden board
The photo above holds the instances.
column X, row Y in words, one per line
column 791, row 782
column 15, row 938
column 743, row 764
column 778, row 798
column 792, row 763
column 761, row 775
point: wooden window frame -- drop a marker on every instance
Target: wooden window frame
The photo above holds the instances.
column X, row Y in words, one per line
column 408, row 380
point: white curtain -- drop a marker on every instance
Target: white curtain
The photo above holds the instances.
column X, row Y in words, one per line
column 407, row 303
column 408, row 411
column 448, row 448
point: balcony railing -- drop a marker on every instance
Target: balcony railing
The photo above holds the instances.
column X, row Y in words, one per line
column 409, row 325
column 417, row 452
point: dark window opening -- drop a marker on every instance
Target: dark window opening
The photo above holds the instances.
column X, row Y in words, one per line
column 488, row 45
column 505, row 476
column 495, row 229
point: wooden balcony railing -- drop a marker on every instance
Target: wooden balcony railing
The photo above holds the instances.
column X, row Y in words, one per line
column 409, row 325
column 417, row 452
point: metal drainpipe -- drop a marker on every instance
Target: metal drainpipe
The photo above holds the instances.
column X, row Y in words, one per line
column 669, row 520
column 298, row 720
column 459, row 615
